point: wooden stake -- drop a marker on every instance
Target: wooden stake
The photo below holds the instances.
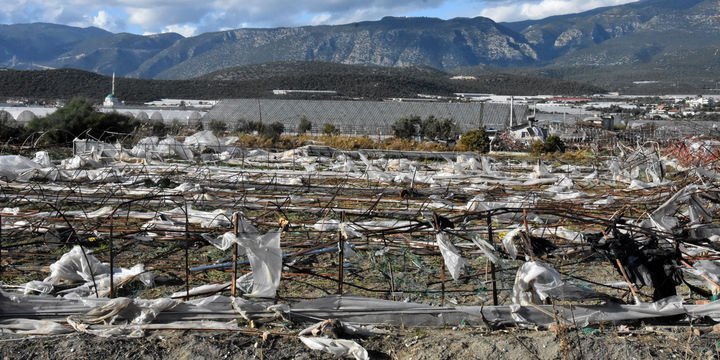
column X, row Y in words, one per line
column 627, row 279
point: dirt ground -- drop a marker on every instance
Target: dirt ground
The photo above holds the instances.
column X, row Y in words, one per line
column 430, row 344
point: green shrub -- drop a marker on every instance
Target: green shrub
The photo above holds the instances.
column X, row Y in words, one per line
column 218, row 127
column 304, row 126
column 78, row 117
column 553, row 143
column 475, row 140
column 330, row 130
column 272, row 131
column 407, row 127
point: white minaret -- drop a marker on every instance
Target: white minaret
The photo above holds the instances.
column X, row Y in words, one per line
column 111, row 100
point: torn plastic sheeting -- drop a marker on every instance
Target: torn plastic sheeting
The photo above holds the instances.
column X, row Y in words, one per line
column 568, row 195
column 341, row 328
column 201, row 290
column 257, row 311
column 95, row 148
column 101, row 212
column 453, row 260
column 360, row 310
column 51, row 174
column 345, row 165
column 145, row 147
column 561, row 232
column 354, row 229
column 509, row 243
column 12, row 165
column 78, row 162
column 204, row 313
column 663, row 217
column 206, row 219
column 338, row 347
column 78, row 267
column 33, row 327
column 704, row 231
column 36, row 286
column 709, row 269
column 124, row 312
column 488, row 250
column 265, row 257
column 165, row 312
column 536, row 281
column 170, row 147
column 207, row 140
column 120, row 276
column 545, row 315
column 531, row 279
column 43, row 159
column 565, row 184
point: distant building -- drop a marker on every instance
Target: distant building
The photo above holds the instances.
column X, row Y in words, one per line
column 110, row 100
column 304, row 92
column 528, row 132
column 366, row 117
column 183, row 103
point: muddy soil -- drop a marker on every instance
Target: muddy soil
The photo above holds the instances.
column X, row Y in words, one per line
column 430, row 344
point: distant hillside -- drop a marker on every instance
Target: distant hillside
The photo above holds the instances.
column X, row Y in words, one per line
column 669, row 41
column 260, row 80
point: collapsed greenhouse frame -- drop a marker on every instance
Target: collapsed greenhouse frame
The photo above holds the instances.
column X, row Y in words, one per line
column 315, row 218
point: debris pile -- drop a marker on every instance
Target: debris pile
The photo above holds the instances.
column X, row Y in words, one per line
column 202, row 235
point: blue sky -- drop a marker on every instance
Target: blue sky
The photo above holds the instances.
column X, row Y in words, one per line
column 192, row 17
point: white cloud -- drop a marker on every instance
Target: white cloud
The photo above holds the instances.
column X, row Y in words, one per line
column 103, row 20
column 514, row 11
column 321, row 18
column 194, row 16
column 184, row 30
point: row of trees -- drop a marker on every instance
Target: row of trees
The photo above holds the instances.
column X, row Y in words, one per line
column 430, row 128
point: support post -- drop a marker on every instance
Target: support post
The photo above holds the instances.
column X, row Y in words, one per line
column 112, row 257
column 233, row 285
column 492, row 266
column 0, row 244
column 187, row 255
column 341, row 255
column 442, row 284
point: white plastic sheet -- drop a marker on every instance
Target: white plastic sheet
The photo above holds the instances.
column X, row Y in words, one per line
column 487, row 249
column 338, row 347
column 532, row 281
column 12, row 165
column 536, row 281
column 453, row 260
column 76, row 267
column 265, row 257
column 509, row 243
column 170, row 148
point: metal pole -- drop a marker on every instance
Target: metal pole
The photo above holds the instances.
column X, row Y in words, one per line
column 233, row 286
column 187, row 262
column 1, row 246
column 492, row 266
column 442, row 284
column 112, row 259
column 341, row 255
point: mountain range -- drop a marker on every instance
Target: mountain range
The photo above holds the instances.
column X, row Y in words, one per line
column 676, row 40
